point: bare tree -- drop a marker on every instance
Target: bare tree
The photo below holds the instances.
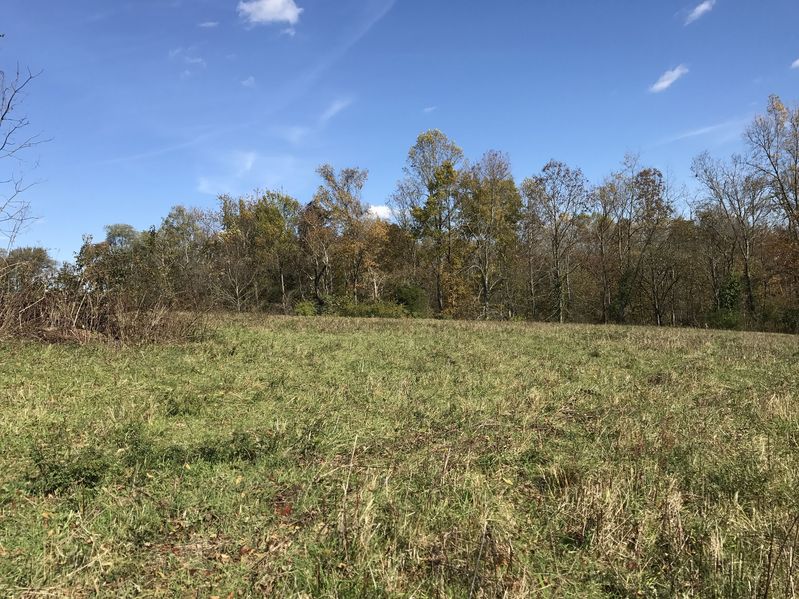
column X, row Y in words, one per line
column 558, row 196
column 741, row 194
column 773, row 139
column 15, row 138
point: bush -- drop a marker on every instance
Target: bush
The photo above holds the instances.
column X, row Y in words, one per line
column 414, row 299
column 305, row 308
column 724, row 319
column 790, row 320
column 109, row 293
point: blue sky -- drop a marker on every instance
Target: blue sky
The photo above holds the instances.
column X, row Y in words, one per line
column 152, row 103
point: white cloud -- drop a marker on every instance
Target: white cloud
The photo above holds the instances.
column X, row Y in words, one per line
column 700, row 10
column 430, row 109
column 335, row 108
column 258, row 12
column 208, row 24
column 381, row 212
column 795, row 64
column 249, row 82
column 668, row 78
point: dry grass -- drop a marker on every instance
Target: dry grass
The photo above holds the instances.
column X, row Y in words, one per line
column 348, row 458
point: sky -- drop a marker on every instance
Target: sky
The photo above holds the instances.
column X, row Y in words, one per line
column 152, row 103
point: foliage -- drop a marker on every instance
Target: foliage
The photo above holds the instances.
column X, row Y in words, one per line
column 305, row 308
column 475, row 245
column 413, row 299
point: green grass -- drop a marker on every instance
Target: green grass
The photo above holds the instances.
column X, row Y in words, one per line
column 350, row 458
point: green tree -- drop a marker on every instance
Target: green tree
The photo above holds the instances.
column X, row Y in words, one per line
column 490, row 208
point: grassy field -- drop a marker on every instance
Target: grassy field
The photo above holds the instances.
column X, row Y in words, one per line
column 351, row 458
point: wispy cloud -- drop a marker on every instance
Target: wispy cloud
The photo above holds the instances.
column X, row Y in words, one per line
column 295, row 135
column 795, row 64
column 243, row 162
column 273, row 171
column 699, row 11
column 298, row 134
column 249, row 81
column 430, row 109
column 336, row 107
column 668, row 78
column 262, row 12
column 291, row 91
column 208, row 24
column 195, row 61
column 723, row 132
column 191, row 63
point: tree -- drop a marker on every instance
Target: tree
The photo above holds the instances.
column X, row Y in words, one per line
column 490, row 206
column 187, row 235
column 557, row 197
column 773, row 141
column 15, row 138
column 740, row 194
column 279, row 219
column 636, row 199
column 427, row 206
column 426, row 157
column 356, row 244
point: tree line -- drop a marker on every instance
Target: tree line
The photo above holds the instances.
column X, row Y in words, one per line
column 466, row 241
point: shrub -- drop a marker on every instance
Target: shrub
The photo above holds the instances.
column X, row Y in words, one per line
column 724, row 319
column 305, row 308
column 790, row 320
column 414, row 299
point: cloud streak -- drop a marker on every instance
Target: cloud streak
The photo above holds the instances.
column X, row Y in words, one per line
column 795, row 64
column 668, row 79
column 724, row 131
column 699, row 11
column 334, row 109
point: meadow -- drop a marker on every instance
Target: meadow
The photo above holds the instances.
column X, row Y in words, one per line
column 325, row 457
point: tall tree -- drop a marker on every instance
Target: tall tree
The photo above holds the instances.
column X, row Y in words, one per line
column 740, row 193
column 557, row 196
column 491, row 206
column 426, row 204
column 773, row 140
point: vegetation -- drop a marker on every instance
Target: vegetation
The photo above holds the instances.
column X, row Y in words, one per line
column 465, row 242
column 350, row 457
